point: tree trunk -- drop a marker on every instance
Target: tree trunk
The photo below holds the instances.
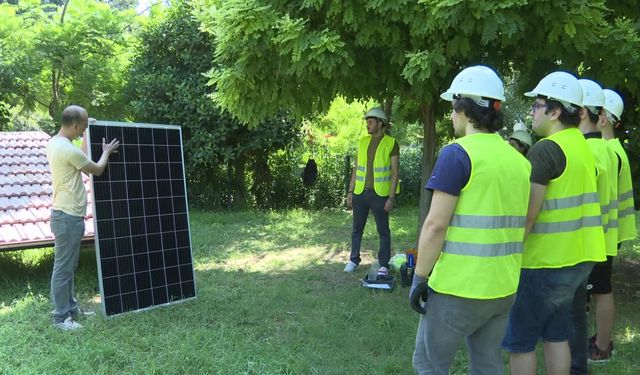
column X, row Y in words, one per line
column 427, row 115
column 262, row 178
column 229, row 185
column 387, row 105
column 54, row 103
column 239, row 186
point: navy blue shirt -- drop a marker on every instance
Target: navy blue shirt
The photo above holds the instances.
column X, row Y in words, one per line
column 452, row 170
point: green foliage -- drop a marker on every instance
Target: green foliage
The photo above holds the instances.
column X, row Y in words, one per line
column 51, row 59
column 301, row 55
column 288, row 191
column 167, row 85
column 20, row 65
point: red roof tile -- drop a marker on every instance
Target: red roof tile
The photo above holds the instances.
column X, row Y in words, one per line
column 25, row 192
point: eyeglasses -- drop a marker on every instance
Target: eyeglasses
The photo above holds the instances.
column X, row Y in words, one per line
column 537, row 105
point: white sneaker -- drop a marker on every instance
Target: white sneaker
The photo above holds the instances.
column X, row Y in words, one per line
column 350, row 267
column 68, row 324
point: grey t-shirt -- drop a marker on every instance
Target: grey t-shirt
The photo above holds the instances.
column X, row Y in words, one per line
column 547, row 161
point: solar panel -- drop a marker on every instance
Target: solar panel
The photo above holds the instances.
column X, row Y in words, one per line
column 143, row 242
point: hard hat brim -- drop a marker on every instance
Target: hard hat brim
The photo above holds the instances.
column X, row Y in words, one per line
column 448, row 96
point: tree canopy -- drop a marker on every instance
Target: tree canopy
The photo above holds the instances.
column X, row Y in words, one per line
column 302, row 54
column 167, row 85
column 76, row 54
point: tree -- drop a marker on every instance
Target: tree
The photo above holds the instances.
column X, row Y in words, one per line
column 167, row 85
column 78, row 54
column 302, row 54
column 20, row 66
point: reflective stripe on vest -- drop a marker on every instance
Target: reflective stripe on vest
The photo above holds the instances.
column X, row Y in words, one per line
column 568, row 229
column 483, row 246
column 381, row 165
column 567, row 226
column 482, row 250
column 569, row 202
column 626, row 214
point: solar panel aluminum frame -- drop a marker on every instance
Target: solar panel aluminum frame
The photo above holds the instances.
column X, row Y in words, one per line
column 96, row 213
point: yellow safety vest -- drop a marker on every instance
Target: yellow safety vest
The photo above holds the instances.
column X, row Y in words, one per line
column 381, row 166
column 608, row 209
column 568, row 229
column 483, row 247
column 626, row 214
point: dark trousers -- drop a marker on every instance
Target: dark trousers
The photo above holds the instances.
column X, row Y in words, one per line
column 579, row 331
column 367, row 201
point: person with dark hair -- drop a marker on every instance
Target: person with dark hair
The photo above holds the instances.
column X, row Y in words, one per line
column 600, row 345
column 66, row 162
column 471, row 240
column 373, row 187
column 591, row 116
column 564, row 234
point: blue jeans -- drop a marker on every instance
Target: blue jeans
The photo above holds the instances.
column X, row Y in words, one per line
column 542, row 306
column 367, row 201
column 448, row 321
column 68, row 231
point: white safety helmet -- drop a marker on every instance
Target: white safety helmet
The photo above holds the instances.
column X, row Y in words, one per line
column 559, row 86
column 378, row 113
column 476, row 82
column 613, row 104
column 523, row 136
column 592, row 95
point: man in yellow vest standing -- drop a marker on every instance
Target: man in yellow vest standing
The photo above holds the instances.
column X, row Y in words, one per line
column 624, row 226
column 591, row 115
column 564, row 229
column 373, row 188
column 471, row 240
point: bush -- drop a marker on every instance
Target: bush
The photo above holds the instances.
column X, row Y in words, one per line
column 410, row 175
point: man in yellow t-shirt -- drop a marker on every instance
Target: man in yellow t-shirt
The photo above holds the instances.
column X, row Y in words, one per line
column 66, row 161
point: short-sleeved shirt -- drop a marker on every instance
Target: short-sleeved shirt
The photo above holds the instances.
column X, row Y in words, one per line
column 371, row 154
column 65, row 162
column 547, row 162
column 452, row 170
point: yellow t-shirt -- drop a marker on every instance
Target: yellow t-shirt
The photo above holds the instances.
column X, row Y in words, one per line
column 65, row 162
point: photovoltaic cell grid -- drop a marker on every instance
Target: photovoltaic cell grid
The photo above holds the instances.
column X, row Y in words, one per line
column 143, row 243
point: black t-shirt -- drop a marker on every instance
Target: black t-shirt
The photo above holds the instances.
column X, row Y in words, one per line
column 547, row 161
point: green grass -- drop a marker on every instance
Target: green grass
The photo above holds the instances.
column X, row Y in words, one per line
column 272, row 299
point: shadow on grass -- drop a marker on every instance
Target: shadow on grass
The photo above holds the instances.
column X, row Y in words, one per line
column 311, row 319
column 270, row 301
column 292, row 311
column 218, row 236
column 29, row 272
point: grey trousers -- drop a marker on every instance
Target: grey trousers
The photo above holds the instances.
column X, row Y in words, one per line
column 450, row 319
column 68, row 231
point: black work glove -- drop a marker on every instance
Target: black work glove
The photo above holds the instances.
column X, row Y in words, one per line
column 418, row 293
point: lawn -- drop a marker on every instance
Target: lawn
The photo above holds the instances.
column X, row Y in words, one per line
column 272, row 299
